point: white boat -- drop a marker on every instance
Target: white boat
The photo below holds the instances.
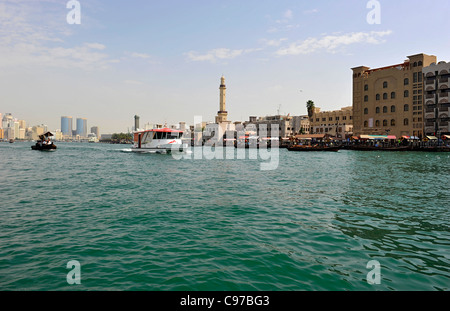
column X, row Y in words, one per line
column 162, row 140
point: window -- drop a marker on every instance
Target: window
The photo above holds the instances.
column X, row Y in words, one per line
column 415, row 77
column 406, row 93
column 385, row 96
column 385, row 85
column 415, row 64
column 324, row 119
column 392, row 108
column 393, row 95
column 385, row 123
column 406, row 81
column 366, row 98
column 366, row 124
column 377, row 110
column 405, row 122
column 420, row 63
column 366, row 87
column 419, row 75
column 344, row 118
column 385, row 109
column 392, row 122
column 378, row 97
column 406, row 108
column 377, row 123
column 317, row 119
column 366, row 111
column 330, row 119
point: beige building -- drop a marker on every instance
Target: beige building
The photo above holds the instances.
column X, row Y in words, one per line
column 437, row 104
column 389, row 100
column 338, row 123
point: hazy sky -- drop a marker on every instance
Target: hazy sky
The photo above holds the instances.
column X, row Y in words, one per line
column 163, row 60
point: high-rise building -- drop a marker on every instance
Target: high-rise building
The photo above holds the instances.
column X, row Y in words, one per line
column 66, row 125
column 95, row 130
column 437, row 104
column 389, row 100
column 82, row 127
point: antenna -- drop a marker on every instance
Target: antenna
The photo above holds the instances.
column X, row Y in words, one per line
column 279, row 108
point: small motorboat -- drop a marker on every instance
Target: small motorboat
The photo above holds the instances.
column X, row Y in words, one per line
column 44, row 144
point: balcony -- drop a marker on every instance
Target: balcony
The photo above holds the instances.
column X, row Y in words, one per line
column 429, row 129
column 443, row 84
column 443, row 97
column 429, row 96
column 430, row 85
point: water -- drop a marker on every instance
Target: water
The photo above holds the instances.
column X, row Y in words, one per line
column 150, row 222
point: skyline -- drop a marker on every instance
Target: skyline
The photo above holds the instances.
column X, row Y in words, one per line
column 163, row 60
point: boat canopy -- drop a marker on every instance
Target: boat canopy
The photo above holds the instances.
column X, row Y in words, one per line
column 163, row 130
column 378, row 137
column 432, row 137
column 48, row 134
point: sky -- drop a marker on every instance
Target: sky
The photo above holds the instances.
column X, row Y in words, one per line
column 163, row 60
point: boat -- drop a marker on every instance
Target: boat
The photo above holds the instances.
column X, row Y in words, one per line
column 314, row 148
column 161, row 140
column 373, row 148
column 44, row 144
column 11, row 141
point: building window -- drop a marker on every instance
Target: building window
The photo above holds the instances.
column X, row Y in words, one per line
column 344, row 118
column 366, row 87
column 366, row 124
column 405, row 122
column 385, row 123
column 378, row 97
column 415, row 77
column 317, row 119
column 406, row 108
column 393, row 95
column 406, row 81
column 330, row 119
column 366, row 111
column 406, row 93
column 392, row 122
column 366, row 98
column 419, row 76
column 385, row 109
column 415, row 64
column 385, row 96
column 385, row 85
column 420, row 63
column 377, row 123
column 377, row 110
column 392, row 108
column 324, row 119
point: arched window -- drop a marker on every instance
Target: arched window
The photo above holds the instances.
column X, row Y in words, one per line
column 366, row 124
column 385, row 85
column 384, row 122
column 377, row 110
column 406, row 107
column 385, row 96
column 406, row 93
column 415, row 64
column 392, row 122
column 405, row 122
column 385, row 109
column 377, row 123
column 366, row 98
column 406, row 81
column 378, row 97
column 366, row 111
column 420, row 63
column 393, row 95
column 366, row 87
column 392, row 108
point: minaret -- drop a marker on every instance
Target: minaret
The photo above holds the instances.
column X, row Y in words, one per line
column 222, row 114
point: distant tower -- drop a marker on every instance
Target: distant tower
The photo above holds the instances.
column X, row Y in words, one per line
column 136, row 123
column 222, row 114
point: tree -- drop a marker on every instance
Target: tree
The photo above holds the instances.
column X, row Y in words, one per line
column 310, row 107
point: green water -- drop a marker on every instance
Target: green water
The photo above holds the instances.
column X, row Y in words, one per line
column 150, row 222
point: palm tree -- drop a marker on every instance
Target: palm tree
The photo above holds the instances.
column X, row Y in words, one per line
column 310, row 107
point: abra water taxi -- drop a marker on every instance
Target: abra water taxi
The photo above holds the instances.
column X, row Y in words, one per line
column 44, row 144
column 163, row 140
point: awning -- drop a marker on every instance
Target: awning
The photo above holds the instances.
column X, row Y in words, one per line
column 391, row 137
column 446, row 136
column 414, row 138
column 406, row 137
column 355, row 137
column 432, row 137
column 364, row 137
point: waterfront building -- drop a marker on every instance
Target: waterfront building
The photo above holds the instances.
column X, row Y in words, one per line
column 66, row 125
column 95, row 130
column 16, row 129
column 389, row 100
column 2, row 135
column 337, row 123
column 284, row 124
column 437, row 104
column 82, row 128
column 301, row 124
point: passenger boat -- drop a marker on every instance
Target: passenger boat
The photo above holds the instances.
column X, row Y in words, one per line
column 162, row 140
column 44, row 144
column 314, row 148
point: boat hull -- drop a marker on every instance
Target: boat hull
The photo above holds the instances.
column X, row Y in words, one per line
column 44, row 147
column 314, row 149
